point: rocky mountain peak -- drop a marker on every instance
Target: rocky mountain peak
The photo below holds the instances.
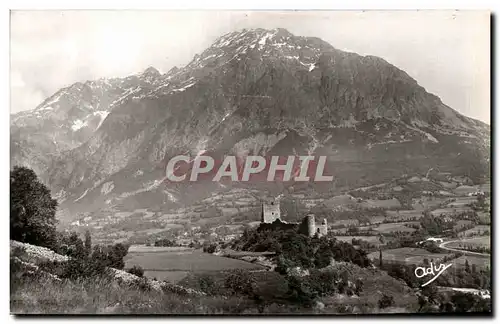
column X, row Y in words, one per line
column 150, row 72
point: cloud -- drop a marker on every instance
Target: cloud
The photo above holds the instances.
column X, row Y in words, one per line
column 447, row 52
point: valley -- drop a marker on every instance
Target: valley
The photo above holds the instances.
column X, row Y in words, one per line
column 402, row 181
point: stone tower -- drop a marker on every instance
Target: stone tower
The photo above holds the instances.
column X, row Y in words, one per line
column 323, row 228
column 311, row 225
column 270, row 211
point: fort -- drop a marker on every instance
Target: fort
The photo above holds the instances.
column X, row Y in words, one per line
column 271, row 218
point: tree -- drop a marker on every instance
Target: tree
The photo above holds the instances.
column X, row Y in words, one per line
column 467, row 266
column 88, row 243
column 359, row 286
column 32, row 209
column 76, row 248
column 116, row 254
column 421, row 302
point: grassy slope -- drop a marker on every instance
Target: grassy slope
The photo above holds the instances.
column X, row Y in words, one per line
column 36, row 292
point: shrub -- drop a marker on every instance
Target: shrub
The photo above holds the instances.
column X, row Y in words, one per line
column 136, row 270
column 210, row 248
column 385, row 301
column 110, row 256
column 165, row 242
column 71, row 245
column 240, row 282
column 300, row 291
column 208, row 285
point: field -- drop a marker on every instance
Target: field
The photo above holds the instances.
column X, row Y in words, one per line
column 395, row 227
column 479, row 261
column 476, row 230
column 407, row 255
column 154, row 249
column 425, row 203
column 462, row 201
column 449, row 211
column 461, row 223
column 484, row 217
column 404, row 214
column 176, row 265
column 370, row 239
column 480, row 241
column 377, row 203
column 345, row 222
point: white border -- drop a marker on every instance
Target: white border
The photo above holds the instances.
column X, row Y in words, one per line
column 492, row 5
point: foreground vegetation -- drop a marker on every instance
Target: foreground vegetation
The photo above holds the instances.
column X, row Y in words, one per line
column 57, row 273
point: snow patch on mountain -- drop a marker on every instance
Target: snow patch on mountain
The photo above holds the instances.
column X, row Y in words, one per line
column 170, row 196
column 184, row 88
column 263, row 40
column 103, row 114
column 107, row 187
column 127, row 93
column 52, row 100
column 83, row 195
column 77, row 124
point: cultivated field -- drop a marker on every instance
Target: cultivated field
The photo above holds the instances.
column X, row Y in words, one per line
column 476, row 230
column 370, row 239
column 378, row 203
column 154, row 249
column 480, row 241
column 449, row 211
column 395, row 227
column 404, row 214
column 345, row 222
column 407, row 255
column 480, row 261
column 175, row 265
column 425, row 203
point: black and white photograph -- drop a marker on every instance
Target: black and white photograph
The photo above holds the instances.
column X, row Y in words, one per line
column 250, row 162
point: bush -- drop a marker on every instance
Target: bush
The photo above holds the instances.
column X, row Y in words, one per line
column 300, row 291
column 71, row 245
column 385, row 301
column 208, row 285
column 165, row 242
column 75, row 268
column 240, row 282
column 210, row 248
column 136, row 270
column 110, row 256
column 32, row 209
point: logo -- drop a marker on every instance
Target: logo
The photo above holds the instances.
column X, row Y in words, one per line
column 432, row 270
column 248, row 168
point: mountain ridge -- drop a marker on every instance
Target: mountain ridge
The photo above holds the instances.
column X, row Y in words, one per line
column 251, row 92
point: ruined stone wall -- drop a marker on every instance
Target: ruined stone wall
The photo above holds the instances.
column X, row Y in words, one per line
column 322, row 229
column 270, row 211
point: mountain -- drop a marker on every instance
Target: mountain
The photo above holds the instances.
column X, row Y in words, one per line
column 68, row 118
column 102, row 146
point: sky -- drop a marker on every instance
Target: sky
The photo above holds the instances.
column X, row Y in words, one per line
column 447, row 52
